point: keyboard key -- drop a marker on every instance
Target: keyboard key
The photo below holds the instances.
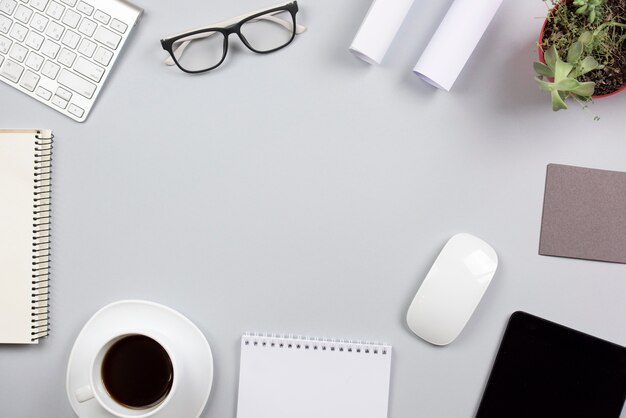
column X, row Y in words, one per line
column 77, row 84
column 5, row 44
column 43, row 93
column 34, row 61
column 55, row 10
column 55, row 30
column 58, row 101
column 18, row 53
column 34, row 40
column 86, row 47
column 39, row 4
column 103, row 56
column 84, row 8
column 89, row 69
column 5, row 24
column 63, row 94
column 30, row 80
column 50, row 69
column 87, row 27
column 107, row 37
column 11, row 70
column 39, row 22
column 7, row 6
column 71, row 39
column 102, row 17
column 119, row 26
column 19, row 32
column 23, row 13
column 66, row 57
column 70, row 3
column 50, row 49
column 71, row 19
column 75, row 110
column 1, row 59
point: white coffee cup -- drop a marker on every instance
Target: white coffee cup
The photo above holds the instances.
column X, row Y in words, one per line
column 97, row 390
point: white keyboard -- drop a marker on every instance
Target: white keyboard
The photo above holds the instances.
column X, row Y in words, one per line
column 61, row 52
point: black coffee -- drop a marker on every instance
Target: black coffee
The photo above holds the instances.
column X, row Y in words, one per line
column 137, row 372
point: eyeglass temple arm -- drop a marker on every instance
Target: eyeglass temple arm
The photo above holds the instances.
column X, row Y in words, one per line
column 178, row 50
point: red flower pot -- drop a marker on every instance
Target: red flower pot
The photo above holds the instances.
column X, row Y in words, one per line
column 540, row 50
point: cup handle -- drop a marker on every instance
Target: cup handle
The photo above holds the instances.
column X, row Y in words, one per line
column 84, row 394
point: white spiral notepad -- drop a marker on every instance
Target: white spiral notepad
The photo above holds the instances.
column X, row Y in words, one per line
column 25, row 171
column 287, row 377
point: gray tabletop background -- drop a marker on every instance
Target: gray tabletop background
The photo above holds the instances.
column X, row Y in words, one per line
column 308, row 192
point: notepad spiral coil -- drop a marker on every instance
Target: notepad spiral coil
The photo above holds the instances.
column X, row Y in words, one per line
column 297, row 342
column 41, row 237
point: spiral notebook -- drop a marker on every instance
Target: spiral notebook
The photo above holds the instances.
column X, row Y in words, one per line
column 287, row 377
column 25, row 173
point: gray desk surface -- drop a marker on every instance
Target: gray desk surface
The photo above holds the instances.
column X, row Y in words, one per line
column 308, row 192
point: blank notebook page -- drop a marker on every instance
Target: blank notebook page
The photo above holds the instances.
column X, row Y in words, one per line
column 287, row 377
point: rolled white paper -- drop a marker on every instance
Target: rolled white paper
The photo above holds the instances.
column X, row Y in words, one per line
column 378, row 29
column 454, row 41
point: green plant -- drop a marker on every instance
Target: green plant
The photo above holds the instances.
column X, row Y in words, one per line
column 592, row 9
column 580, row 38
column 560, row 77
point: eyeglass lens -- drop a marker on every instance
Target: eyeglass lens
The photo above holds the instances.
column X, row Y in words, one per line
column 201, row 51
column 206, row 50
column 270, row 31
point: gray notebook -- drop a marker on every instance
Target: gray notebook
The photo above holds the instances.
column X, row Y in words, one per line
column 584, row 214
column 25, row 172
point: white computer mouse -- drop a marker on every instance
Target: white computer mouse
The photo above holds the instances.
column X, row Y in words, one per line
column 452, row 289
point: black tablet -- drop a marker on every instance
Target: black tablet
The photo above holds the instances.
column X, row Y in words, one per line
column 546, row 370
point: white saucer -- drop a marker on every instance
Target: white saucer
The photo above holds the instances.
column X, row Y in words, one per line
column 130, row 316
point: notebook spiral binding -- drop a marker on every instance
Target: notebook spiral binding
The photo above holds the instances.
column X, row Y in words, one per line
column 298, row 342
column 41, row 237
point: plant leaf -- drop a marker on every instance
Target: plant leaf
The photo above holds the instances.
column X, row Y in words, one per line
column 561, row 70
column 585, row 90
column 588, row 64
column 582, row 9
column 544, row 85
column 557, row 101
column 574, row 52
column 542, row 69
column 592, row 16
column 550, row 57
column 569, row 84
column 586, row 38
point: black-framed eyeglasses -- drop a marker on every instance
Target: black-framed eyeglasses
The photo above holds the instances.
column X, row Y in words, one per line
column 262, row 31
